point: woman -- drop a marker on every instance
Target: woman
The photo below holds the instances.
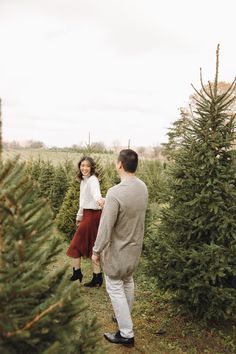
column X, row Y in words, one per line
column 87, row 221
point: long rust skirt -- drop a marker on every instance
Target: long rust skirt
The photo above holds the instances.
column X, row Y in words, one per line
column 83, row 240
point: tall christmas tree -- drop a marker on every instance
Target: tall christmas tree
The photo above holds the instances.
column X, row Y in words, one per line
column 150, row 171
column 46, row 179
column 33, row 168
column 39, row 311
column 67, row 214
column 194, row 252
column 59, row 188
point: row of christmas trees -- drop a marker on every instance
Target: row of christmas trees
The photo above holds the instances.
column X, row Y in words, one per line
column 59, row 185
column 39, row 311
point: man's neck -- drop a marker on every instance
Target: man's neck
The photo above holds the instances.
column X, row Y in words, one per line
column 125, row 175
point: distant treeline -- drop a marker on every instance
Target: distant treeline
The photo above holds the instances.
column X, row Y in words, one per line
column 155, row 152
column 96, row 147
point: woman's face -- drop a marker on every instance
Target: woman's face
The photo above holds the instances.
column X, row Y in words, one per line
column 85, row 168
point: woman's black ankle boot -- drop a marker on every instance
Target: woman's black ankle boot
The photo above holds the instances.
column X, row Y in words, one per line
column 76, row 275
column 96, row 281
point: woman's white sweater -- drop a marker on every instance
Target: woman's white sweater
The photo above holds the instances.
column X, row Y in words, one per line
column 90, row 193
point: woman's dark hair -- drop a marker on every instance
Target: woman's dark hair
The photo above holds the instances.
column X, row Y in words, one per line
column 92, row 165
column 129, row 159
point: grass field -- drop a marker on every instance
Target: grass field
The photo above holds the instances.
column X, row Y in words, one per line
column 54, row 156
column 152, row 314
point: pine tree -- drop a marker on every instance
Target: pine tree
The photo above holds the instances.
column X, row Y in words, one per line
column 101, row 175
column 33, row 168
column 194, row 252
column 69, row 167
column 46, row 179
column 151, row 172
column 59, row 188
column 1, row 143
column 67, row 214
column 176, row 133
column 39, row 311
column 111, row 177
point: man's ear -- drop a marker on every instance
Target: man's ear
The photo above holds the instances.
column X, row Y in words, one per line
column 119, row 165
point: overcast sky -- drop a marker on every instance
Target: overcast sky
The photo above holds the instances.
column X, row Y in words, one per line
column 119, row 69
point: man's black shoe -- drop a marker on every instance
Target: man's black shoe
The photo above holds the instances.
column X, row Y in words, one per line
column 95, row 282
column 116, row 338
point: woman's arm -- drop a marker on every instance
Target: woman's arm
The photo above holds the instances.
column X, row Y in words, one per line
column 96, row 191
column 79, row 214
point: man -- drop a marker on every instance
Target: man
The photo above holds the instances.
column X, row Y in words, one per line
column 119, row 242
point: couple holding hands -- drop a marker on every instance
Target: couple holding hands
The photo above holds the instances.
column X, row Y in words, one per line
column 110, row 231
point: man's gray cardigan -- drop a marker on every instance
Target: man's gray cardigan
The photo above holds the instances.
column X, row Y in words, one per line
column 121, row 230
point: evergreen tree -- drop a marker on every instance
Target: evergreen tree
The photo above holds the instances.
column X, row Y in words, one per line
column 111, row 176
column 59, row 188
column 46, row 179
column 69, row 168
column 67, row 214
column 194, row 253
column 33, row 168
column 39, row 311
column 151, row 172
column 1, row 142
column 101, row 175
column 176, row 133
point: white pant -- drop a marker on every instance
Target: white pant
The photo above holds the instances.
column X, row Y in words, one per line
column 121, row 293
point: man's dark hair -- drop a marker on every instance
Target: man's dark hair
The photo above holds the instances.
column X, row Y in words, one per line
column 129, row 159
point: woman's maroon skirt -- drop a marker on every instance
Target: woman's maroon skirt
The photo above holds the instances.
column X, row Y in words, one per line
column 83, row 240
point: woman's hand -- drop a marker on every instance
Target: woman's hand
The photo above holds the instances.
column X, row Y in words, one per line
column 77, row 222
column 101, row 202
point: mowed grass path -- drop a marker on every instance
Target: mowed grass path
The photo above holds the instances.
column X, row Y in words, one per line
column 99, row 304
column 153, row 313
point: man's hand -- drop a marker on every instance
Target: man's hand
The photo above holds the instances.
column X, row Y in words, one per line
column 96, row 259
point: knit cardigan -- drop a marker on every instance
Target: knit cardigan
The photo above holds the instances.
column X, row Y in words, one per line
column 120, row 235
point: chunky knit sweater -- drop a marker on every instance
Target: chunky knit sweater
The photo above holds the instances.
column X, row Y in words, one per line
column 121, row 230
column 89, row 195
